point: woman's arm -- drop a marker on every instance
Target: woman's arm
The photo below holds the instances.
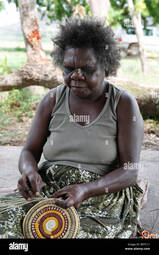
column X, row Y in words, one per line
column 130, row 136
column 30, row 183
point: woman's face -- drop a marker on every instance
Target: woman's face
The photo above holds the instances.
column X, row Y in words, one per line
column 83, row 73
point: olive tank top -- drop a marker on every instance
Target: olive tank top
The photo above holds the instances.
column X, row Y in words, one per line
column 92, row 147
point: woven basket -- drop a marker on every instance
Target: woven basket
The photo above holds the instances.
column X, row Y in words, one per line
column 47, row 220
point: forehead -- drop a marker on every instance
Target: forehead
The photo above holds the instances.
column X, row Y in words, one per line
column 79, row 56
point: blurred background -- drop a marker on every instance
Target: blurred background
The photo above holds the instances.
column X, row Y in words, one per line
column 136, row 29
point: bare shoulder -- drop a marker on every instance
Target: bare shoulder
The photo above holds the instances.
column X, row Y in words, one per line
column 130, row 128
column 127, row 105
column 127, row 99
column 49, row 98
column 130, row 120
column 47, row 103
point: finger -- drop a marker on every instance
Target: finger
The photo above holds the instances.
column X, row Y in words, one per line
column 24, row 192
column 77, row 205
column 59, row 193
column 23, row 183
column 24, row 188
column 32, row 183
column 36, row 184
column 39, row 184
column 64, row 203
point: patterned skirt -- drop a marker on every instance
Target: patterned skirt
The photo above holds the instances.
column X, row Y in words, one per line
column 114, row 215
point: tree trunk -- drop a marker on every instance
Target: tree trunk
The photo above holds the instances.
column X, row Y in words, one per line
column 136, row 19
column 39, row 70
column 30, row 29
column 99, row 8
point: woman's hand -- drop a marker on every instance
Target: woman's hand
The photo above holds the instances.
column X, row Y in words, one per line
column 72, row 195
column 30, row 184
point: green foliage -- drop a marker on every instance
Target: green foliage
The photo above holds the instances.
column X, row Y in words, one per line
column 153, row 8
column 14, row 1
column 19, row 103
column 115, row 16
column 57, row 9
column 1, row 6
column 11, row 60
column 4, row 68
column 119, row 12
column 141, row 6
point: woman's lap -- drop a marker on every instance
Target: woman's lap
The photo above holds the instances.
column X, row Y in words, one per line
column 112, row 215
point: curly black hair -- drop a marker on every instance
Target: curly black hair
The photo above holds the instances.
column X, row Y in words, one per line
column 87, row 33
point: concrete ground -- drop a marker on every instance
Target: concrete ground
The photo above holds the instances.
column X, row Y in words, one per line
column 149, row 217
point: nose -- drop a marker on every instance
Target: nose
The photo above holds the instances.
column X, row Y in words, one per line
column 77, row 75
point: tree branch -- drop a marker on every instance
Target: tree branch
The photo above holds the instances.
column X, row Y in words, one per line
column 30, row 75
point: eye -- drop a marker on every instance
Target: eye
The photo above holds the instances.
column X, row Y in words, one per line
column 68, row 69
column 88, row 70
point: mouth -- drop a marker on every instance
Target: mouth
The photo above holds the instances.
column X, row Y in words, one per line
column 78, row 84
column 80, row 91
column 78, row 87
column 75, row 87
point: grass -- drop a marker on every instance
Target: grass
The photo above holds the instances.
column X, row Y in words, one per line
column 16, row 56
column 15, row 59
column 131, row 70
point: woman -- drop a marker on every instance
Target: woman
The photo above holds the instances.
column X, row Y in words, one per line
column 89, row 132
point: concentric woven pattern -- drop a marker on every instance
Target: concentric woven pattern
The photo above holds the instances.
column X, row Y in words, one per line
column 47, row 220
